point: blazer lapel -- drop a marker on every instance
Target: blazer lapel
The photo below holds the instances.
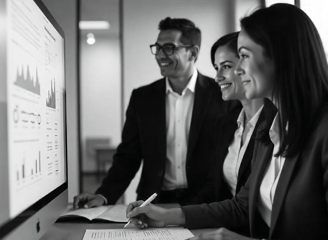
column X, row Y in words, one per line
column 281, row 189
column 201, row 101
column 246, row 158
column 159, row 99
column 262, row 155
column 249, row 150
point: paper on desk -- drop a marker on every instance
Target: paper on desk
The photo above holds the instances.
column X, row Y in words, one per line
column 89, row 213
column 138, row 234
column 117, row 212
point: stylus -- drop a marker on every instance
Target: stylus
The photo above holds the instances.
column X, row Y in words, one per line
column 145, row 203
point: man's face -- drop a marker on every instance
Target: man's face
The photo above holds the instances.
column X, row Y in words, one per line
column 178, row 64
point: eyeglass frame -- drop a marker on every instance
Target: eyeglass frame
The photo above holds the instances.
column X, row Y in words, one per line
column 166, row 44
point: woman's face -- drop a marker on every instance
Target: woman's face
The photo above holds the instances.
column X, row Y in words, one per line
column 231, row 86
column 255, row 69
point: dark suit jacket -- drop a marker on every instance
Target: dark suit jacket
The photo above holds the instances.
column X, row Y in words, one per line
column 300, row 207
column 144, row 139
column 216, row 189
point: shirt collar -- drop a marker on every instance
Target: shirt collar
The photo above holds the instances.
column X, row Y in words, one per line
column 274, row 130
column 191, row 84
column 241, row 118
column 252, row 122
column 255, row 118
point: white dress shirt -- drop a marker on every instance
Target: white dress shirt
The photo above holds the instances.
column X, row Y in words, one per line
column 272, row 175
column 236, row 150
column 179, row 110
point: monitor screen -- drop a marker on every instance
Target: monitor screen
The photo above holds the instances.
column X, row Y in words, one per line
column 33, row 166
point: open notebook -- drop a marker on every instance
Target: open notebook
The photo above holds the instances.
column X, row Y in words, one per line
column 109, row 213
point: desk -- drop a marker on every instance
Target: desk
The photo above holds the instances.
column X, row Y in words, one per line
column 103, row 156
column 75, row 231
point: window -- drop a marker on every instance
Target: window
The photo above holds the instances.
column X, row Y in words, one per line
column 317, row 11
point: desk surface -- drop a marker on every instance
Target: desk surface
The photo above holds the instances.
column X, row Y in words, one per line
column 75, row 231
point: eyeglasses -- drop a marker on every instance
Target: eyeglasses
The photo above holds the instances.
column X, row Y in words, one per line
column 168, row 49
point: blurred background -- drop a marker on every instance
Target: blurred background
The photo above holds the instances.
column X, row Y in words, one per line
column 108, row 55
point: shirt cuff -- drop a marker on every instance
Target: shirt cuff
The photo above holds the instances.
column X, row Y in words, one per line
column 105, row 199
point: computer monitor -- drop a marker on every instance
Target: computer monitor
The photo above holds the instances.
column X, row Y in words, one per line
column 33, row 158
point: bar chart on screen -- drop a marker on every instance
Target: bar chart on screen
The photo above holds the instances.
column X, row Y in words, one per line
column 28, row 169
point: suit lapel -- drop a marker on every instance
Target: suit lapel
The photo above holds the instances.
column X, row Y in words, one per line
column 262, row 155
column 159, row 99
column 281, row 189
column 249, row 150
column 201, row 101
column 246, row 158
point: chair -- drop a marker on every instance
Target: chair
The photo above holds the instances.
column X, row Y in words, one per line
column 98, row 149
column 103, row 156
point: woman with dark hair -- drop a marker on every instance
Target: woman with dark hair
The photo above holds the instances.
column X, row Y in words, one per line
column 286, row 196
column 236, row 130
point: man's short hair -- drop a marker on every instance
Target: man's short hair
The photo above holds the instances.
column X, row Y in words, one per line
column 191, row 35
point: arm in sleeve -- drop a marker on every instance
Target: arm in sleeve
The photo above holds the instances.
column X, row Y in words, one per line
column 231, row 214
column 325, row 167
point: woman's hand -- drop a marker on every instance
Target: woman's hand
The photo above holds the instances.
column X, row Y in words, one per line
column 148, row 216
column 221, row 234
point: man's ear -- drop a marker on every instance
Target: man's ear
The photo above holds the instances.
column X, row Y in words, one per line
column 194, row 50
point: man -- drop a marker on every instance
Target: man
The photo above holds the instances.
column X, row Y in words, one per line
column 168, row 126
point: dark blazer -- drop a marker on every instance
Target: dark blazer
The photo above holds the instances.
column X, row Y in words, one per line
column 144, row 140
column 216, row 189
column 300, row 207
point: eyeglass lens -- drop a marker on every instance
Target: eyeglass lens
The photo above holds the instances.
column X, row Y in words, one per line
column 167, row 49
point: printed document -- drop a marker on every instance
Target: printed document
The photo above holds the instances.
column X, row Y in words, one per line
column 174, row 233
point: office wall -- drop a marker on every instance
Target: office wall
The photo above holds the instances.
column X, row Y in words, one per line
column 66, row 13
column 100, row 93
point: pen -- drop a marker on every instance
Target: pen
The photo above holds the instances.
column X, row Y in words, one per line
column 145, row 203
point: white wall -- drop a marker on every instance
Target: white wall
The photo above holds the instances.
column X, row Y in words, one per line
column 100, row 92
column 65, row 12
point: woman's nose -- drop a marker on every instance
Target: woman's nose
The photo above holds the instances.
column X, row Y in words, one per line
column 238, row 70
column 218, row 78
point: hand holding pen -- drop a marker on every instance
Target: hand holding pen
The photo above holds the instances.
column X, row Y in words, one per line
column 133, row 210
